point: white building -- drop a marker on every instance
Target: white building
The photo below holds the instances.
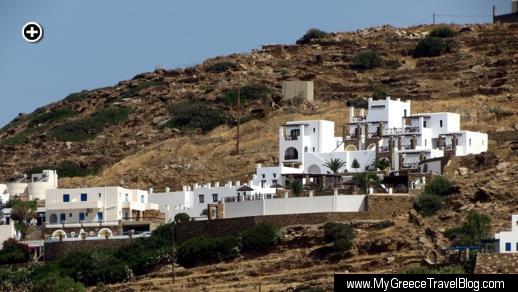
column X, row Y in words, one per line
column 33, row 187
column 508, row 240
column 94, row 207
column 194, row 200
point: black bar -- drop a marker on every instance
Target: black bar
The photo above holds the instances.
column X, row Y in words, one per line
column 436, row 282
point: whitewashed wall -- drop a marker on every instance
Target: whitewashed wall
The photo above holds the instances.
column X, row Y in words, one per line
column 298, row 205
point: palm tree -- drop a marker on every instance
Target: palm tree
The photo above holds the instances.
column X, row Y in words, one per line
column 297, row 188
column 366, row 180
column 334, row 164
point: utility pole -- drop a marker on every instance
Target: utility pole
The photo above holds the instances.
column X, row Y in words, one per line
column 434, row 18
column 238, row 115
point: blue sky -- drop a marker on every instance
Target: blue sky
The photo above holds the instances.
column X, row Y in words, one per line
column 96, row 43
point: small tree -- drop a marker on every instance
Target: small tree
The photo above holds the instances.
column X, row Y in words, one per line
column 476, row 227
column 259, row 238
column 382, row 163
column 430, row 47
column 21, row 212
column 334, row 164
column 439, row 186
column 366, row 180
column 340, row 234
column 366, row 60
column 355, row 164
column 428, row 205
column 443, row 31
column 313, row 33
column 297, row 188
column 204, row 212
column 14, row 252
column 181, row 217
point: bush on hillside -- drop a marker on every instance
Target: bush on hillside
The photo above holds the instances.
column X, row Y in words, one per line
column 439, row 186
column 67, row 169
column 55, row 282
column 87, row 128
column 201, row 250
column 49, row 117
column 247, row 93
column 443, row 31
column 259, row 238
column 190, row 115
column 14, row 252
column 313, row 33
column 14, row 280
column 19, row 138
column 477, row 226
column 222, row 66
column 366, row 60
column 340, row 234
column 430, row 47
column 146, row 254
column 428, row 205
column 181, row 217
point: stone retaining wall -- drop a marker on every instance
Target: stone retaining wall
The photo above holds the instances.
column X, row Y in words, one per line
column 496, row 263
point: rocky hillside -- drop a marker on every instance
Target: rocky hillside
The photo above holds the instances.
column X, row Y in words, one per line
column 134, row 134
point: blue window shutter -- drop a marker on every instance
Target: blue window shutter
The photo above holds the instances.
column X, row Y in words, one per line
column 507, row 246
column 84, row 197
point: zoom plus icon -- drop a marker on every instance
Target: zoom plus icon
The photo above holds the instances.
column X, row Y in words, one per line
column 32, row 32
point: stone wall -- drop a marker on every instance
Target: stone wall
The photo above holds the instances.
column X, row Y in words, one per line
column 59, row 249
column 496, row 263
column 378, row 207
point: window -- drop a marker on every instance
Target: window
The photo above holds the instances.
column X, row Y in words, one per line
column 66, row 198
column 84, row 197
column 274, row 181
column 142, row 199
column 313, row 149
column 440, row 123
column 201, row 198
column 274, row 175
column 404, row 113
column 424, row 124
column 425, row 142
column 507, row 246
column 314, row 130
column 99, row 195
column 306, row 149
column 99, row 216
column 264, row 175
column 69, row 214
column 469, row 141
column 517, row 246
column 126, row 198
column 81, row 216
column 62, row 217
column 214, row 198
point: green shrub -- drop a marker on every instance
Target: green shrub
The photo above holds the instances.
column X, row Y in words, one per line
column 259, row 238
column 93, row 267
column 200, row 250
column 189, row 115
column 145, row 255
column 430, row 47
column 340, row 234
column 14, row 252
column 443, row 31
column 19, row 138
column 52, row 116
column 87, row 128
column 382, row 163
column 428, row 205
column 55, row 282
column 247, row 93
column 67, row 169
column 476, row 227
column 181, row 217
column 296, row 188
column 313, row 33
column 366, row 60
column 439, row 186
column 379, row 92
column 15, row 280
column 222, row 66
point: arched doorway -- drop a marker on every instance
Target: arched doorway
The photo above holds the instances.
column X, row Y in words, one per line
column 58, row 233
column 314, row 169
column 104, row 232
column 371, row 146
column 351, row 147
column 291, row 154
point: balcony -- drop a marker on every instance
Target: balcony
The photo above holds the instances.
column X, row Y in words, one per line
column 411, row 165
column 406, row 147
column 291, row 137
column 359, row 118
column 412, row 130
column 383, row 149
column 74, row 205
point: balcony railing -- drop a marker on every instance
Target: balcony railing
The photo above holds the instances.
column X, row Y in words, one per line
column 256, row 197
column 291, row 137
column 406, row 147
column 358, row 118
column 413, row 165
column 383, row 149
column 411, row 129
column 350, row 137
